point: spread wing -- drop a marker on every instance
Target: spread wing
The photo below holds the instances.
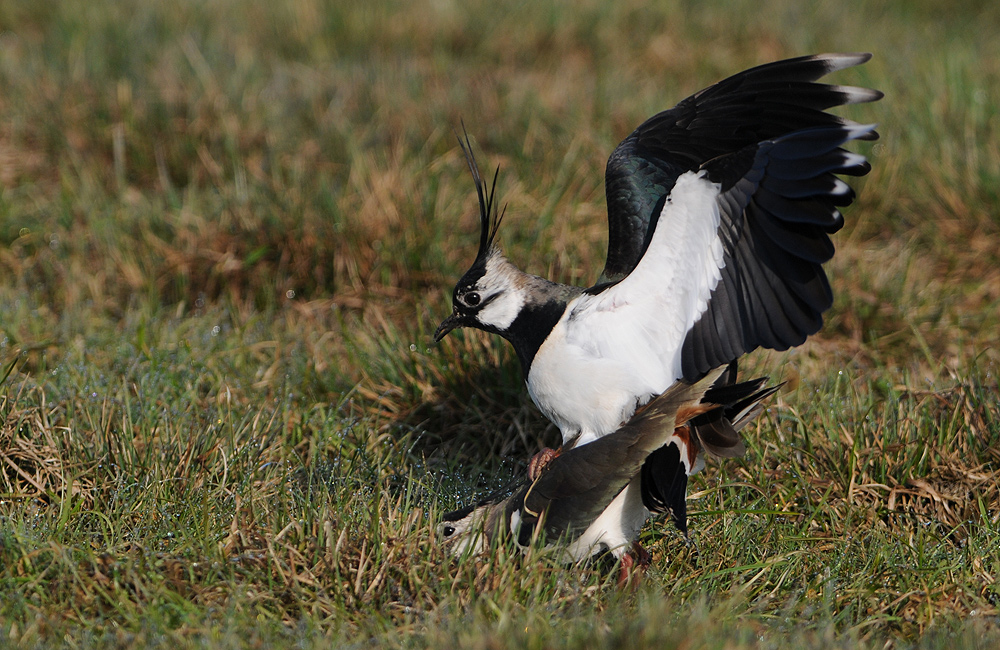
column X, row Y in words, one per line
column 734, row 261
column 778, row 205
column 753, row 106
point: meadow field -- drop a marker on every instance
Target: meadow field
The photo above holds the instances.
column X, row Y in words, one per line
column 229, row 228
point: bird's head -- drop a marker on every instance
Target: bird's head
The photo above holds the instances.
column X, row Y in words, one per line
column 468, row 530
column 490, row 294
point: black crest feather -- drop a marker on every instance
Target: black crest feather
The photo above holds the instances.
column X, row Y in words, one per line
column 489, row 216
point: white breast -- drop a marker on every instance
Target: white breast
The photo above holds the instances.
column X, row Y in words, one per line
column 616, row 349
column 586, row 396
column 615, row 529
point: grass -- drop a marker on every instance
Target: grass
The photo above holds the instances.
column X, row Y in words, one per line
column 228, row 229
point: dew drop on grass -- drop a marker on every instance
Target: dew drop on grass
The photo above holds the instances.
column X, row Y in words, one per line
column 413, row 347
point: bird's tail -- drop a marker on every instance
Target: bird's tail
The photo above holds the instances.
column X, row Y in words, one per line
column 682, row 401
column 725, row 409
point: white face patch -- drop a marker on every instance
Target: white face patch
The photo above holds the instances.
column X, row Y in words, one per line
column 501, row 278
column 465, row 535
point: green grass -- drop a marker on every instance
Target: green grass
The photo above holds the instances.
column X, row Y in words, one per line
column 228, row 229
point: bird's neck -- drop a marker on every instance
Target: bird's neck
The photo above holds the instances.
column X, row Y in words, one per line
column 544, row 304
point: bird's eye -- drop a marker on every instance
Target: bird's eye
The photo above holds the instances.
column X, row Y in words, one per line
column 472, row 299
column 448, row 531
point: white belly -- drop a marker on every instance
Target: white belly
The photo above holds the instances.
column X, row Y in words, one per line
column 615, row 529
column 584, row 395
column 616, row 348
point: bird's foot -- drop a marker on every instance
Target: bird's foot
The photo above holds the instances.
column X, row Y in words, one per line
column 633, row 564
column 540, row 461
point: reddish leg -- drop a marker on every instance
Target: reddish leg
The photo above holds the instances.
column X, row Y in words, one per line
column 539, row 461
column 633, row 563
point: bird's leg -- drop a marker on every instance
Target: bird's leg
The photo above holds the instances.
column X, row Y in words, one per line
column 633, row 564
column 692, row 544
column 539, row 461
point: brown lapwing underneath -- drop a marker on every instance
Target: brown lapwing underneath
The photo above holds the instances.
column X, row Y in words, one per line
column 578, row 499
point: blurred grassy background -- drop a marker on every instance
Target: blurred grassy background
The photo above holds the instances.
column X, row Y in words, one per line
column 227, row 230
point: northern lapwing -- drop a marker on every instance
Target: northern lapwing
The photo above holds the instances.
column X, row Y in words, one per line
column 589, row 499
column 720, row 212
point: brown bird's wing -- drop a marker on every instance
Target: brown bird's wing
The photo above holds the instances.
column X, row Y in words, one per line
column 576, row 486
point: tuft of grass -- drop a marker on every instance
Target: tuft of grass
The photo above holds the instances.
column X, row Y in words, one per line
column 228, row 230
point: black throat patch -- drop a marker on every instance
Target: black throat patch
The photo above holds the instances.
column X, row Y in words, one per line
column 530, row 329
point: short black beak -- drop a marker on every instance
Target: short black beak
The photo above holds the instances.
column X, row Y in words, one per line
column 452, row 322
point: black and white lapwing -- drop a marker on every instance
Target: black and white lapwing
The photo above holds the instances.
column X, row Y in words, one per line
column 578, row 499
column 720, row 212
